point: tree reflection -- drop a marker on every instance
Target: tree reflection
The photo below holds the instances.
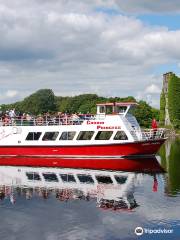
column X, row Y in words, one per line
column 170, row 160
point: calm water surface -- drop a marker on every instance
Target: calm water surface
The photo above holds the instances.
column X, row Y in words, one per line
column 111, row 209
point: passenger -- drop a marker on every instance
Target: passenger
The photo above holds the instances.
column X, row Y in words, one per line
column 47, row 118
column 39, row 120
column 75, row 118
column 12, row 113
column 29, row 119
column 154, row 127
column 6, row 120
column 59, row 118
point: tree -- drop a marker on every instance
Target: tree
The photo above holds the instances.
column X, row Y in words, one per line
column 173, row 100
column 39, row 102
column 162, row 108
column 144, row 114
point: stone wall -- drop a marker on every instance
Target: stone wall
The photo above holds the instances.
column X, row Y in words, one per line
column 166, row 78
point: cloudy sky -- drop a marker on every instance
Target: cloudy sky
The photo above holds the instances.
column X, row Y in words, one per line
column 108, row 47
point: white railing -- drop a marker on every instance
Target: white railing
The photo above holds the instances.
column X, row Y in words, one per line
column 149, row 134
column 44, row 121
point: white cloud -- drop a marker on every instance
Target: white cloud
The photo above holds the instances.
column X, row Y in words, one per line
column 11, row 93
column 71, row 48
column 153, row 89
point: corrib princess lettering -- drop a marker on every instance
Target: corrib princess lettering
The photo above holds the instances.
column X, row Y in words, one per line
column 94, row 123
column 108, row 127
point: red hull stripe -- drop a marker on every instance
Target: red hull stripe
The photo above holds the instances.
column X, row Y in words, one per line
column 136, row 148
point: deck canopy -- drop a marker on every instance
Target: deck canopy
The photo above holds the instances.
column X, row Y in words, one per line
column 115, row 108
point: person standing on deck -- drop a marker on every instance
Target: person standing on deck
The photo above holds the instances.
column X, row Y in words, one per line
column 154, row 127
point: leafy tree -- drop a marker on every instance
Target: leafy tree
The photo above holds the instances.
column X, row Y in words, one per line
column 144, row 114
column 174, row 100
column 162, row 109
column 41, row 101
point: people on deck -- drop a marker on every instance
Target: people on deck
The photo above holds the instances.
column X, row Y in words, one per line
column 13, row 117
column 154, row 127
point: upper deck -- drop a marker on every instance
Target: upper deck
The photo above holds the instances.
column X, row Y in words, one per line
column 103, row 109
column 112, row 116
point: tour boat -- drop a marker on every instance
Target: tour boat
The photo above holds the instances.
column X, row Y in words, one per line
column 112, row 133
column 111, row 189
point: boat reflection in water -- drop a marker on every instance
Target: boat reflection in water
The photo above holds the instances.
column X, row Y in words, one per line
column 112, row 189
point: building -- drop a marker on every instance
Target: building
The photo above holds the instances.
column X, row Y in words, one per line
column 166, row 79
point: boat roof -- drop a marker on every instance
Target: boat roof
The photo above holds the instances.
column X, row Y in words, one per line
column 118, row 104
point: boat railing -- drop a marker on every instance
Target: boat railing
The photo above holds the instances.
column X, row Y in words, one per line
column 45, row 121
column 149, row 134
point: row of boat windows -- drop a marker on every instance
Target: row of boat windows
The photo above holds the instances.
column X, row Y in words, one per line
column 83, row 178
column 83, row 135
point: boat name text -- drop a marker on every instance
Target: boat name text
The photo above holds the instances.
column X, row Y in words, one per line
column 108, row 127
column 89, row 122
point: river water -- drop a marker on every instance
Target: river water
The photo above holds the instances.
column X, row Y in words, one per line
column 79, row 207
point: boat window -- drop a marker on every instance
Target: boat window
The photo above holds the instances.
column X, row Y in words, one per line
column 120, row 179
column 109, row 109
column 50, row 136
column 33, row 136
column 121, row 109
column 50, row 177
column 33, row 176
column 85, row 135
column 104, row 179
column 120, row 135
column 102, row 109
column 103, row 135
column 67, row 135
column 85, row 178
column 67, row 178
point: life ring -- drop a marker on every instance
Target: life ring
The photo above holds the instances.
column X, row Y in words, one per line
column 39, row 121
column 16, row 130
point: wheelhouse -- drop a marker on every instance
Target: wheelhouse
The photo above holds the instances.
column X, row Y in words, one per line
column 115, row 108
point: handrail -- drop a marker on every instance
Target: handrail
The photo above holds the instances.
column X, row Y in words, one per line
column 44, row 121
column 149, row 134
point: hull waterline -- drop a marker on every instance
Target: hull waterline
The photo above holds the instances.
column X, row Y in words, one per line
column 110, row 150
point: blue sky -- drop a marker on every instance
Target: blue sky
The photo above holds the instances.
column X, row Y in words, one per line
column 111, row 48
column 172, row 22
column 169, row 20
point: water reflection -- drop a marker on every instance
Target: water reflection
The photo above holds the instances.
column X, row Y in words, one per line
column 59, row 203
column 170, row 161
column 113, row 190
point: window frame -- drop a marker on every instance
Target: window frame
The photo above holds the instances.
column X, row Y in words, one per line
column 79, row 139
column 55, row 132
column 122, row 131
column 40, row 134
column 99, row 132
column 67, row 132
